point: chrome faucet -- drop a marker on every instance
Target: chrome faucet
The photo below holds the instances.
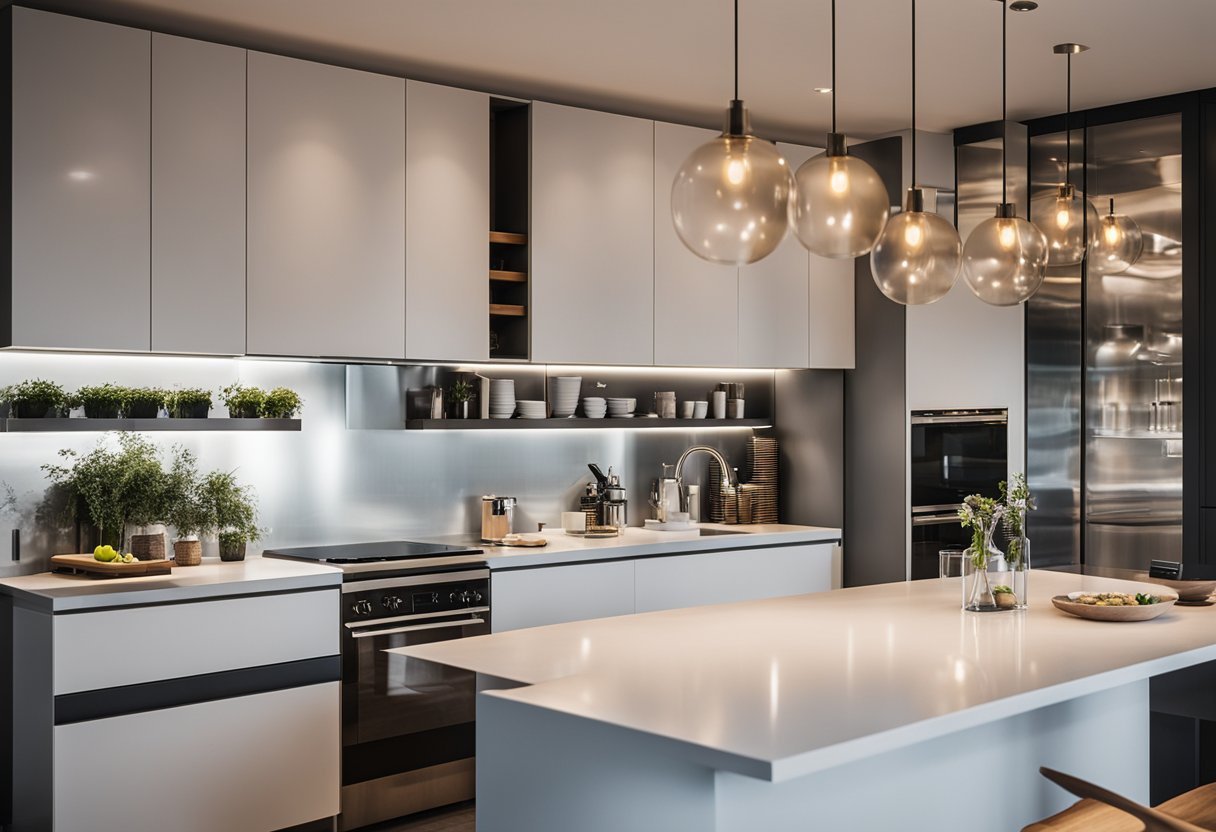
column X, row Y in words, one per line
column 728, row 473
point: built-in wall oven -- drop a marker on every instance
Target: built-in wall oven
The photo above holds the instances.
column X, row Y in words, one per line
column 954, row 453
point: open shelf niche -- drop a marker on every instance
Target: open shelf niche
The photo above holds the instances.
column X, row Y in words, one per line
column 508, row 245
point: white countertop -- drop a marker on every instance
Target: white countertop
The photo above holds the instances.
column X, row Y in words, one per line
column 786, row 687
column 58, row 592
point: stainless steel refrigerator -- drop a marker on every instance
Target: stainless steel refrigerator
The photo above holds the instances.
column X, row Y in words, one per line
column 1104, row 376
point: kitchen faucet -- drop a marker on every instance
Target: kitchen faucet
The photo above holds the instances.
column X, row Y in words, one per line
column 728, row 473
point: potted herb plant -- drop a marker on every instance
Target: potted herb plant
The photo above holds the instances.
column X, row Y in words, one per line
column 35, row 399
column 462, row 395
column 281, row 403
column 143, row 402
column 243, row 402
column 232, row 510
column 144, row 492
column 102, row 401
column 189, row 403
column 185, row 509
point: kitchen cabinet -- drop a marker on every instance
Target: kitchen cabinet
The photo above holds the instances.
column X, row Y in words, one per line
column 592, row 237
column 326, row 210
column 198, row 197
column 666, row 583
column 696, row 302
column 832, row 336
column 447, row 223
column 555, row 594
column 80, row 182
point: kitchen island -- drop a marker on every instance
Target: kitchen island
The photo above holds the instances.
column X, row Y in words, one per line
column 868, row 708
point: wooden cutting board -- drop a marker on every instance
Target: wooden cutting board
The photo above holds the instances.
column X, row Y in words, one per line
column 134, row 569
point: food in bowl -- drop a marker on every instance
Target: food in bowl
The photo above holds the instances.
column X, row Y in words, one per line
column 1114, row 599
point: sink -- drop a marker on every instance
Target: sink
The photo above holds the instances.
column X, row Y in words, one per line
column 715, row 532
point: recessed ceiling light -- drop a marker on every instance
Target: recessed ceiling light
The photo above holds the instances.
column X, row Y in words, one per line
column 1023, row 6
column 821, row 90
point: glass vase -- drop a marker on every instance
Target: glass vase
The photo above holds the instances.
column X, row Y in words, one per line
column 998, row 581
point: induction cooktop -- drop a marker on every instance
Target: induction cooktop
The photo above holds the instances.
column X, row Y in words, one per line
column 369, row 552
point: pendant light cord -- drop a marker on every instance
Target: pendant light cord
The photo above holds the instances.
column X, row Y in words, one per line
column 913, row 93
column 834, row 96
column 1004, row 111
column 1068, row 122
column 737, row 49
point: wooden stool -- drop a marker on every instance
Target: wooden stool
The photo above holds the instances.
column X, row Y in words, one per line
column 1101, row 810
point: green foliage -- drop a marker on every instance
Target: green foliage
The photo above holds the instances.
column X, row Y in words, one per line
column 149, row 399
column 184, row 508
column 231, row 508
column 281, row 403
column 180, row 403
column 100, row 399
column 34, row 397
column 462, row 390
column 243, row 401
column 1002, row 590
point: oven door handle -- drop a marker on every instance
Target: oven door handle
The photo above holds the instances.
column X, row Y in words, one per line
column 963, row 419
column 437, row 625
column 935, row 519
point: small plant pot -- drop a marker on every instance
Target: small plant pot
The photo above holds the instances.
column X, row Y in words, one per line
column 231, row 552
column 193, row 411
column 148, row 546
column 143, row 410
column 32, row 409
column 460, row 410
column 244, row 412
column 103, row 411
column 187, row 552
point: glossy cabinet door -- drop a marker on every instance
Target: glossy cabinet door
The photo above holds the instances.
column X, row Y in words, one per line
column 198, row 197
column 592, row 237
column 774, row 298
column 326, row 202
column 833, row 344
column 447, row 223
column 80, row 184
column 557, row 594
column 696, row 303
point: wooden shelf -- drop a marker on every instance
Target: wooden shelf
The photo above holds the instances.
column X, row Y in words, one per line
column 508, row 277
column 509, row 237
column 508, row 310
column 62, row 425
column 580, row 423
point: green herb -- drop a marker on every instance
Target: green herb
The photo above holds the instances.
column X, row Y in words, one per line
column 102, row 401
column 462, row 390
column 183, row 503
column 143, row 402
column 230, row 507
column 1017, row 501
column 181, row 403
column 281, row 403
column 1145, row 600
column 1002, row 590
column 34, row 398
column 243, row 402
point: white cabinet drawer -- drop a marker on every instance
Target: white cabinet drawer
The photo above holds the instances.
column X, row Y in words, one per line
column 128, row 646
column 557, row 594
column 248, row 764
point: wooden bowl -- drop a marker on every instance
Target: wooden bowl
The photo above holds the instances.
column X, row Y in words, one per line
column 1094, row 613
column 1187, row 590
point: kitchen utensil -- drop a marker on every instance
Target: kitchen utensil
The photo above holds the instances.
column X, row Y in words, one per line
column 595, row 407
column 89, row 564
column 1138, row 613
column 719, row 400
column 1187, row 590
column 734, row 408
column 502, row 398
column 564, row 391
column 497, row 517
column 700, row 409
column 687, row 409
column 665, row 404
column 530, row 541
column 532, row 408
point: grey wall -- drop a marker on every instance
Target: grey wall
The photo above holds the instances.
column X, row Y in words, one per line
column 810, row 430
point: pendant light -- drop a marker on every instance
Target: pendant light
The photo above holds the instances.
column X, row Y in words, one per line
column 1119, row 244
column 841, row 204
column 918, row 255
column 1069, row 220
column 730, row 198
column 1004, row 257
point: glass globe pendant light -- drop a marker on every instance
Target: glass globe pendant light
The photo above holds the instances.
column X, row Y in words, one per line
column 1119, row 244
column 840, row 204
column 1004, row 257
column 1069, row 220
column 730, row 198
column 918, row 255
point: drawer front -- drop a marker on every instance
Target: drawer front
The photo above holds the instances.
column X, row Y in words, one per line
column 111, row 648
column 248, row 764
column 557, row 594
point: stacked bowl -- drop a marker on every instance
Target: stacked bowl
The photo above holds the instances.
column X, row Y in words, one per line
column 595, row 407
column 621, row 408
column 502, row 398
column 532, row 408
column 564, row 393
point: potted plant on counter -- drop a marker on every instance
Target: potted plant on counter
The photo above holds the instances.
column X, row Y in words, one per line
column 189, row 403
column 35, row 399
column 243, row 402
column 185, row 509
column 101, row 401
column 143, row 402
column 144, row 494
column 231, row 509
column 281, row 403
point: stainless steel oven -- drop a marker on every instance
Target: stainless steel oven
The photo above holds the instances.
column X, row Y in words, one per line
column 954, row 453
column 407, row 725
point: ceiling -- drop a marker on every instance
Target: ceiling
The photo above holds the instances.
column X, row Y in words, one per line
column 671, row 58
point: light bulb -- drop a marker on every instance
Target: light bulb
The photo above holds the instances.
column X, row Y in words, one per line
column 1110, row 232
column 730, row 199
column 1004, row 258
column 1062, row 216
column 1118, row 246
column 917, row 258
column 1069, row 221
column 840, row 205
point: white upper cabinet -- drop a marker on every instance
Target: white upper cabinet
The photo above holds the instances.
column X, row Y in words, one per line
column 326, row 224
column 592, row 237
column 832, row 313
column 198, row 197
column 447, row 223
column 774, row 298
column 80, row 184
column 696, row 303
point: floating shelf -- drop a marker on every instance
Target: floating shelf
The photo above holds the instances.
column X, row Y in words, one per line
column 63, row 425
column 509, row 237
column 508, row 310
column 508, row 277
column 1138, row 434
column 586, row 424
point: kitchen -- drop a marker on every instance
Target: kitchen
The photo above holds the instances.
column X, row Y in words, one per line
column 299, row 219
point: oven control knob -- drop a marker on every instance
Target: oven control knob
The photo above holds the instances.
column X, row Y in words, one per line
column 363, row 607
column 474, row 597
column 391, row 602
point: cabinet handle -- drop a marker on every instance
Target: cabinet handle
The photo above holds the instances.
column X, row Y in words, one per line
column 414, row 627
